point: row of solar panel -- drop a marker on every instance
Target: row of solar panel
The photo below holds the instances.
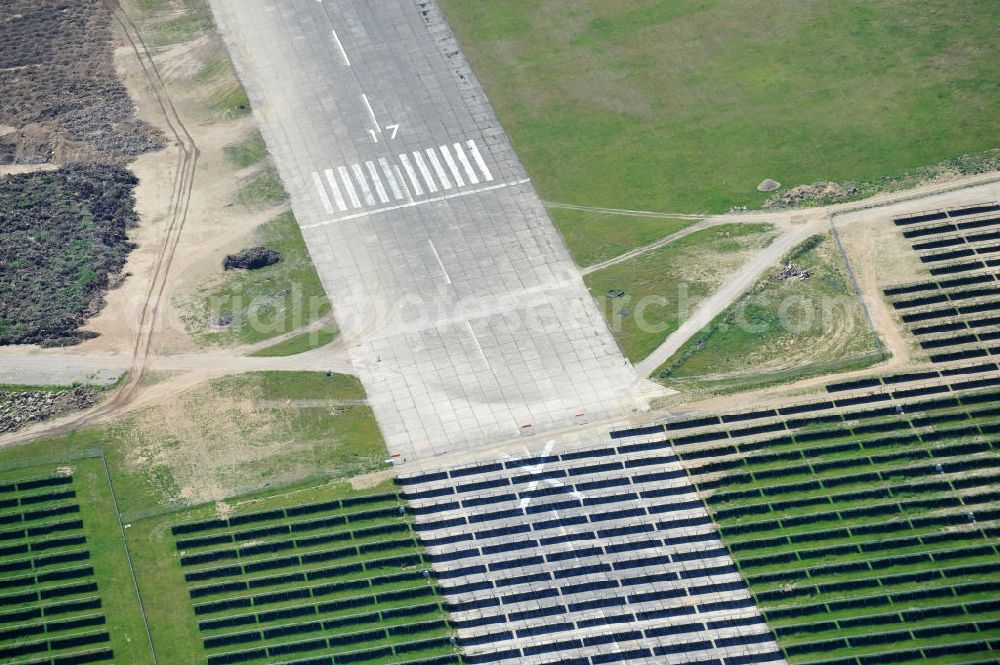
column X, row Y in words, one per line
column 55, row 644
column 965, row 266
column 904, row 616
column 34, row 484
column 278, row 563
column 849, row 514
column 685, row 638
column 942, row 214
column 925, row 286
column 42, row 545
column 451, row 659
column 44, row 578
column 629, row 655
column 296, row 527
column 892, row 637
column 40, row 562
column 309, row 611
column 303, row 577
column 965, row 252
column 45, row 529
column 959, row 340
column 955, row 241
column 279, row 514
column 30, row 630
column 827, row 498
column 58, row 609
column 921, row 577
column 923, row 375
column 953, row 296
column 928, row 653
column 623, row 656
column 788, row 575
column 341, row 639
column 935, row 229
column 881, row 600
column 879, row 528
column 380, row 653
column 285, row 545
column 314, row 592
column 46, row 594
column 930, row 314
column 35, row 516
column 952, row 326
column 898, row 394
column 94, row 656
column 35, row 499
column 959, row 532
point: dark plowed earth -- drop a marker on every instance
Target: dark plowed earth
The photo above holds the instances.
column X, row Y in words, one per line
column 63, row 242
column 58, row 87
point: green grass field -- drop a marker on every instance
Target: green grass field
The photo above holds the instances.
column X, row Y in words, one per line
column 663, row 286
column 248, row 151
column 686, row 105
column 780, row 330
column 264, row 303
column 593, row 237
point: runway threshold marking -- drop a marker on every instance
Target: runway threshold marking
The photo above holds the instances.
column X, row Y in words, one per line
column 379, row 182
column 437, row 199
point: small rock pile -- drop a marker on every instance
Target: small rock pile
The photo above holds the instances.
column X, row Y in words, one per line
column 17, row 408
column 820, row 192
column 793, row 271
column 251, row 259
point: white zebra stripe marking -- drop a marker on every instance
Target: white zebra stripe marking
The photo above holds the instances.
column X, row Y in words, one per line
column 379, row 189
column 428, row 178
column 359, row 175
column 324, row 199
column 451, row 165
column 460, row 154
column 345, row 179
column 390, row 178
column 442, row 176
column 331, row 179
column 480, row 162
column 411, row 174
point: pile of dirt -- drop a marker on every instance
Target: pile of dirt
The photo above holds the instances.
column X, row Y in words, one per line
column 59, row 89
column 251, row 259
column 63, row 242
column 820, row 193
column 794, row 272
column 18, row 408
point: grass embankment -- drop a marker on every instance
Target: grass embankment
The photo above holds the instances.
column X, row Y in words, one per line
column 780, row 330
column 306, row 341
column 664, row 286
column 264, row 303
column 686, row 105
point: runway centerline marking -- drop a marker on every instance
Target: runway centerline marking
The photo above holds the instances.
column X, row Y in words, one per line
column 371, row 113
column 437, row 199
column 437, row 256
column 340, row 48
column 475, row 338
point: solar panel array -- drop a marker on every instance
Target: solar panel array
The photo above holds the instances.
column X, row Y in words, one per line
column 50, row 610
column 339, row 581
column 868, row 533
column 601, row 555
column 955, row 316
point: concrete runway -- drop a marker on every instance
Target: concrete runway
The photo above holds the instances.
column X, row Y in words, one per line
column 463, row 313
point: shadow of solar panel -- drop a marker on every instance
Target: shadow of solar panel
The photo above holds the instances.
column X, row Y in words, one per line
column 231, row 640
column 237, row 657
column 920, row 217
column 482, row 485
column 644, row 447
column 957, row 267
column 853, row 385
column 699, row 438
